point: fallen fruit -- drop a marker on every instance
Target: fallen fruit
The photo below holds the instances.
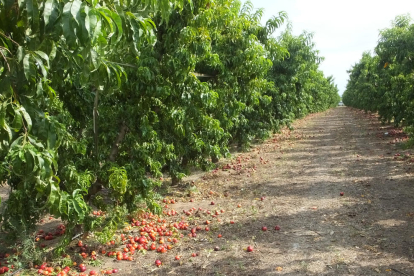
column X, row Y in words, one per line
column 158, row 262
column 341, row 193
column 264, row 228
column 249, row 248
column 277, row 227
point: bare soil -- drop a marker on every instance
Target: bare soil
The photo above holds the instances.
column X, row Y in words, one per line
column 300, row 173
column 367, row 231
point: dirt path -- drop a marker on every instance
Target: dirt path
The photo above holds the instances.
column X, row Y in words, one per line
column 301, row 173
column 368, row 231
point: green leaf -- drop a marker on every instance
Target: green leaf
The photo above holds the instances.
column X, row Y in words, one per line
column 40, row 64
column 8, row 130
column 78, row 204
column 17, row 121
column 63, row 203
column 50, row 13
column 34, row 142
column 68, row 28
column 21, row 3
column 30, row 162
column 51, row 92
column 3, row 109
column 33, row 14
column 118, row 22
column 16, row 142
column 117, row 72
column 52, row 54
column 28, row 69
column 95, row 25
column 27, row 118
column 40, row 162
column 44, row 56
column 103, row 12
column 75, row 11
column 86, row 27
column 20, row 53
column 51, row 139
column 54, row 197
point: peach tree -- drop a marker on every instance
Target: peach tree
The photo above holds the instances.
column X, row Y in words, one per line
column 64, row 65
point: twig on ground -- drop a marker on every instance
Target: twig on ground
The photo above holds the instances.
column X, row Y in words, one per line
column 77, row 235
column 403, row 273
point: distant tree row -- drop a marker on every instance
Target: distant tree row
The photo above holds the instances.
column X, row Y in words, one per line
column 383, row 82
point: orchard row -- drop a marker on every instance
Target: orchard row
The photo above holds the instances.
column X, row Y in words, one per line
column 383, row 81
column 117, row 94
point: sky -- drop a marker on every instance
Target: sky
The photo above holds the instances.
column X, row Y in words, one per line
column 343, row 30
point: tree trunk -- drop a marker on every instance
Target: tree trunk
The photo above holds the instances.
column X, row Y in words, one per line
column 119, row 139
column 97, row 186
column 174, row 180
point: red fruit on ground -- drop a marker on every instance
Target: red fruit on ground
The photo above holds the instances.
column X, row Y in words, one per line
column 264, row 228
column 249, row 248
column 262, row 198
column 277, row 227
column 177, row 257
column 158, row 262
column 341, row 193
column 212, row 203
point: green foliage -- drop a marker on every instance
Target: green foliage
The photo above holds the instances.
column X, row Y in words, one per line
column 113, row 94
column 383, row 82
column 301, row 88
